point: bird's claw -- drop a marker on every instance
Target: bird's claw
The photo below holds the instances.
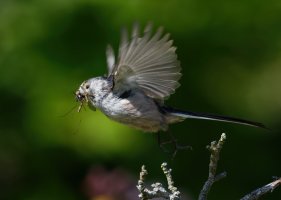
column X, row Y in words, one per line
column 176, row 147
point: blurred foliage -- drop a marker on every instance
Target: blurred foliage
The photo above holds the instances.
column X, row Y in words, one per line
column 230, row 53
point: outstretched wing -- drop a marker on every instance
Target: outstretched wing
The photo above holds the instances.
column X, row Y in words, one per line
column 148, row 62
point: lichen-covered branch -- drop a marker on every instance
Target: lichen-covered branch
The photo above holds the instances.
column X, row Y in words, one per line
column 158, row 191
column 214, row 148
column 175, row 194
column 256, row 194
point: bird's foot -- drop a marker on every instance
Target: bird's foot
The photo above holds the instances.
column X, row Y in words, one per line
column 175, row 146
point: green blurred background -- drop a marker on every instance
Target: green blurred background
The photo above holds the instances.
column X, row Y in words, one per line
column 230, row 53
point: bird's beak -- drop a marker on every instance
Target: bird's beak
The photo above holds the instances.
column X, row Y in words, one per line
column 80, row 97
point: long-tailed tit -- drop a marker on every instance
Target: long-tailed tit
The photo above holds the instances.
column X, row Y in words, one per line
column 145, row 73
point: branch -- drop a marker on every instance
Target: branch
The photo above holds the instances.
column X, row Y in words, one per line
column 263, row 190
column 158, row 191
column 172, row 193
column 214, row 148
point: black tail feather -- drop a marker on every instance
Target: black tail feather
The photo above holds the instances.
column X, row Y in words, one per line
column 206, row 116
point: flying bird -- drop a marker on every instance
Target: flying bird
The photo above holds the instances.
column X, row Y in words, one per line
column 145, row 73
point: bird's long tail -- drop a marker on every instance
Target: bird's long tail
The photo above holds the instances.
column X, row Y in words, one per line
column 205, row 116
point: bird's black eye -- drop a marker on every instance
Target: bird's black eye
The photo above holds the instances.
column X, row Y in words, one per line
column 87, row 86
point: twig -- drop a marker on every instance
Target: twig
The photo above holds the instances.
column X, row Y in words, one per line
column 158, row 191
column 263, row 190
column 172, row 193
column 175, row 194
column 215, row 148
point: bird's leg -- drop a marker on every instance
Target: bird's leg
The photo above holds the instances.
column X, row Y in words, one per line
column 161, row 144
column 174, row 142
column 176, row 145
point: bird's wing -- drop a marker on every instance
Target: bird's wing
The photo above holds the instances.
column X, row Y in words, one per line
column 146, row 61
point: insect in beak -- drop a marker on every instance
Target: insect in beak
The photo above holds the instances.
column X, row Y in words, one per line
column 80, row 98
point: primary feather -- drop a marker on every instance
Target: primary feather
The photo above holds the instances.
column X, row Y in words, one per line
column 110, row 58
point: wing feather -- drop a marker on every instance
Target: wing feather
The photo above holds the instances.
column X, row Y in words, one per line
column 110, row 58
column 148, row 61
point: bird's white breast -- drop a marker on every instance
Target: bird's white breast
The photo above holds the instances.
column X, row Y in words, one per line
column 137, row 110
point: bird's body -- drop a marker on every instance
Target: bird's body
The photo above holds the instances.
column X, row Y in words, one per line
column 127, row 108
column 146, row 72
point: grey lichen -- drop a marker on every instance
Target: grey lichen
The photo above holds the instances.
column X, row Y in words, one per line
column 158, row 191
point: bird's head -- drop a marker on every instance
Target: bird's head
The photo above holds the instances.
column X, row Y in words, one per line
column 92, row 91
